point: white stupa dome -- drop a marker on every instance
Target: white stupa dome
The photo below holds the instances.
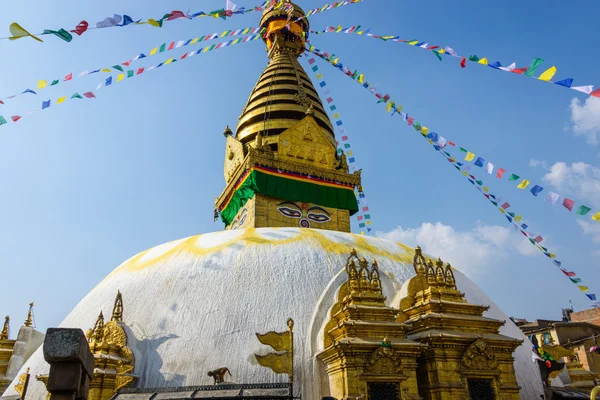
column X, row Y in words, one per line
column 195, row 304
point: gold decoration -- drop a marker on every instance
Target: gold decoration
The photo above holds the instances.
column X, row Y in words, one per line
column 280, row 363
column 29, row 320
column 479, row 356
column 384, row 360
column 21, row 386
column 117, row 314
column 279, row 341
column 4, row 333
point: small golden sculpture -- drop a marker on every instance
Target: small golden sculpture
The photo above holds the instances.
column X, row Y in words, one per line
column 29, row 320
column 219, row 374
column 4, row 333
column 21, row 386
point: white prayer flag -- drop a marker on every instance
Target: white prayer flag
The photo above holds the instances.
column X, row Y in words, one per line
column 584, row 89
column 509, row 68
column 489, row 167
column 552, row 198
column 179, row 44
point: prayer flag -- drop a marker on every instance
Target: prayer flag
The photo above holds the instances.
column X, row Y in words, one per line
column 596, row 217
column 490, row 167
column 61, row 33
column 568, row 204
column 500, row 172
column 583, row 210
column 567, row 273
column 17, row 32
column 130, row 73
column 45, row 104
column 552, row 198
column 595, row 93
column 2, row 120
column 89, row 95
column 120, row 77
column 61, row 100
column 108, row 22
column 535, row 63
column 479, row 162
column 591, row 296
column 538, row 239
column 575, row 280
column 119, row 68
column 483, row 61
column 140, row 70
column 565, row 82
column 513, row 177
column 15, row 118
column 105, row 70
column 505, row 205
column 524, row 183
column 42, row 84
column 80, row 28
column 536, row 190
column 76, row 96
column 463, row 62
column 583, row 288
column 469, row 156
column 584, row 89
column 108, row 81
column 548, row 74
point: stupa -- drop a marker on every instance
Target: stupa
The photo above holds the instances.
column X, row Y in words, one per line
column 373, row 319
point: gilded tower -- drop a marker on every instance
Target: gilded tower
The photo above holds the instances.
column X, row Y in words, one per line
column 281, row 166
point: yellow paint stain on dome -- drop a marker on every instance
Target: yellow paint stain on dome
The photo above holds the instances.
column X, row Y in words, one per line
column 252, row 237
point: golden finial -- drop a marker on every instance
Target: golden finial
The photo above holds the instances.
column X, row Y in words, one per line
column 117, row 314
column 4, row 333
column 227, row 131
column 23, row 382
column 29, row 320
column 98, row 331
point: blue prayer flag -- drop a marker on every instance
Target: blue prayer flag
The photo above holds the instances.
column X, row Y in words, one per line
column 108, row 81
column 508, row 218
column 126, row 20
column 591, row 296
column 558, row 263
column 524, row 226
column 433, row 136
column 565, row 82
column 479, row 162
column 93, row 72
column 536, row 190
column 338, row 123
column 351, row 159
column 45, row 104
column 322, row 84
column 187, row 42
column 495, row 65
column 29, row 91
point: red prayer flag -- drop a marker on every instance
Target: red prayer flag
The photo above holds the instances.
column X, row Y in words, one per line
column 174, row 15
column 538, row 239
column 433, row 47
column 1, row 102
column 171, row 46
column 568, row 203
column 500, row 172
column 463, row 62
column 311, row 61
column 15, row 118
column 344, row 138
column 79, row 29
column 89, row 95
column 127, row 63
column 139, row 71
column 568, row 273
column 360, row 217
column 69, row 77
column 505, row 205
column 366, row 208
column 451, row 143
column 595, row 93
column 329, row 100
column 519, row 71
column 410, row 121
column 183, row 56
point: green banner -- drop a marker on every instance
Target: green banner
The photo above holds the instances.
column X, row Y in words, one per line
column 288, row 189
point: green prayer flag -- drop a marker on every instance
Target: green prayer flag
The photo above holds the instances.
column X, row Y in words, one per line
column 532, row 241
column 162, row 48
column 494, row 203
column 512, row 214
column 437, row 54
column 479, row 183
column 76, row 96
column 474, row 58
column 212, row 47
column 118, row 67
column 513, row 177
column 457, row 167
column 583, row 210
column 61, row 33
column 201, row 38
column 54, row 82
column 2, row 120
column 463, row 149
column 545, row 249
column 130, row 73
column 575, row 280
column 535, row 63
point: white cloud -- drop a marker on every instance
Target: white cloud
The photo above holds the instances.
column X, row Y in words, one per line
column 474, row 252
column 590, row 228
column 586, row 118
column 580, row 180
column 538, row 163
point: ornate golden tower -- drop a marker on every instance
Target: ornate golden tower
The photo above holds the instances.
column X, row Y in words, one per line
column 282, row 167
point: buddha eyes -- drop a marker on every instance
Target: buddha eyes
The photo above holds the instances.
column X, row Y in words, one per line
column 316, row 217
column 290, row 212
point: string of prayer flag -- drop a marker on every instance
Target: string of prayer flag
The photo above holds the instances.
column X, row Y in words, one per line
column 469, row 156
column 530, row 71
column 344, row 149
column 130, row 73
column 514, row 218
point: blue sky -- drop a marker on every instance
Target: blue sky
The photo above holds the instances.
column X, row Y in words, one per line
column 88, row 184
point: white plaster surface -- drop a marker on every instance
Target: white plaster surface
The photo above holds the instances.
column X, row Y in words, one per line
column 195, row 304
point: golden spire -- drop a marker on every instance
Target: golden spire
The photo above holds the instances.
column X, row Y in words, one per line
column 284, row 92
column 117, row 314
column 4, row 333
column 29, row 320
column 97, row 333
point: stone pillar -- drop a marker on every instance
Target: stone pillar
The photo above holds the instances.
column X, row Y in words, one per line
column 71, row 364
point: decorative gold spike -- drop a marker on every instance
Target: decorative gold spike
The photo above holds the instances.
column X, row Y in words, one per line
column 29, row 320
column 375, row 277
column 21, row 386
column 4, row 333
column 117, row 314
column 419, row 262
column 98, row 331
column 450, row 276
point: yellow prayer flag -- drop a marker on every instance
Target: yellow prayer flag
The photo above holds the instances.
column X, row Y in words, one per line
column 339, row 29
column 487, row 189
column 349, row 153
column 120, row 77
column 42, row 84
column 336, row 116
column 153, row 22
column 502, row 210
column 17, row 32
column 389, row 107
column 583, row 288
column 153, row 51
column 465, row 173
column 523, row 184
column 483, row 61
column 169, row 61
column 334, row 62
column 279, row 363
column 470, row 156
column 413, row 42
column 194, row 40
column 442, row 51
column 319, row 75
column 279, row 341
column 548, row 74
column 205, row 49
column 224, row 34
column 61, row 99
column 552, row 255
column 424, row 130
column 518, row 218
column 361, row 78
column 369, row 222
column 362, row 232
column 105, row 70
column 596, row 217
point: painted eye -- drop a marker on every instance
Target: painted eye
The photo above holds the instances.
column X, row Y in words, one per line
column 290, row 212
column 242, row 220
column 318, row 217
